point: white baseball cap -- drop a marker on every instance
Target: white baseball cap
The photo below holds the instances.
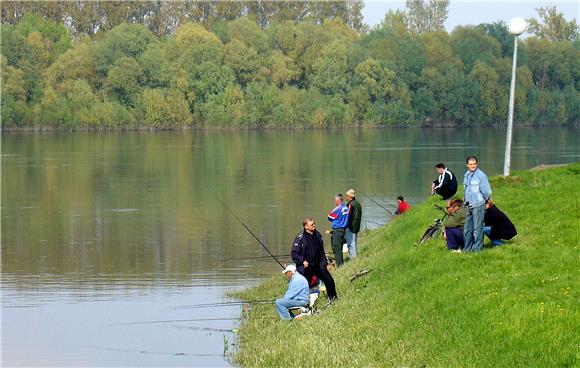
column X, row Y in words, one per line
column 290, row 268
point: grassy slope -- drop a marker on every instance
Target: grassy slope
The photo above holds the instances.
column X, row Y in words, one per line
column 516, row 305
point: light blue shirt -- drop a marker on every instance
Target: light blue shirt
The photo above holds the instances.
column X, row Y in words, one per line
column 298, row 288
column 477, row 188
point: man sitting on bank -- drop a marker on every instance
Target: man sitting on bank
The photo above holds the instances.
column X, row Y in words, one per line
column 446, row 184
column 454, row 224
column 297, row 295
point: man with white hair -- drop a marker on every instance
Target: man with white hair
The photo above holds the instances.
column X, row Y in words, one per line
column 354, row 218
column 297, row 295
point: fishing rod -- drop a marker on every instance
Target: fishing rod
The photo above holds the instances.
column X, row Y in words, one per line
column 223, row 304
column 250, row 231
column 178, row 320
column 256, row 258
column 377, row 203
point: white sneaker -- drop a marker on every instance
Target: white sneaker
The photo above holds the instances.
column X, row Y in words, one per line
column 456, row 251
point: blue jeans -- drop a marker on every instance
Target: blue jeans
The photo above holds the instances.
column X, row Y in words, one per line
column 494, row 242
column 473, row 229
column 454, row 237
column 283, row 304
column 352, row 244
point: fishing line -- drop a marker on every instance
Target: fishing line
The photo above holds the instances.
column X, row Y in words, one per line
column 250, row 231
column 164, row 353
column 377, row 203
column 210, row 329
column 372, row 222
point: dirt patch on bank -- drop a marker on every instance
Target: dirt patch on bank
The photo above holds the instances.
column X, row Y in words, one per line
column 547, row 166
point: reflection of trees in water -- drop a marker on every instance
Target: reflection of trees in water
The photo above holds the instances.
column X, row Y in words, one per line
column 140, row 206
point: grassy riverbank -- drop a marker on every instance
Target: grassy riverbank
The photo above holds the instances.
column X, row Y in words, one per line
column 516, row 305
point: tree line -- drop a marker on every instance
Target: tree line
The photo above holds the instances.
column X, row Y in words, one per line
column 258, row 71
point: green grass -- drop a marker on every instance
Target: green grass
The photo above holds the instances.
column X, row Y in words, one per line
column 512, row 306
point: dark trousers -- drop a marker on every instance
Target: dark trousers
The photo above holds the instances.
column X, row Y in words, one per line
column 324, row 276
column 337, row 240
column 454, row 237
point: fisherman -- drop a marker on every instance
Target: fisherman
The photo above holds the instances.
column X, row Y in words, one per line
column 402, row 207
column 354, row 218
column 297, row 295
column 308, row 254
column 339, row 219
column 446, row 184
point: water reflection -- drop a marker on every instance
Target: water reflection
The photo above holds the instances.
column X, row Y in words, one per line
column 101, row 227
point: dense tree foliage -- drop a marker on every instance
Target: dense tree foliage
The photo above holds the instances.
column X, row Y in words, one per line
column 264, row 71
column 553, row 26
column 163, row 17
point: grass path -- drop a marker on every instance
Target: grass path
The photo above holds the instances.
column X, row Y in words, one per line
column 513, row 306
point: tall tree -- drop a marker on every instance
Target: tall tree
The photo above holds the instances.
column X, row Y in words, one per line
column 552, row 25
column 427, row 15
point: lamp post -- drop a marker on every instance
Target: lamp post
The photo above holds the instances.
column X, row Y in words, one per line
column 517, row 26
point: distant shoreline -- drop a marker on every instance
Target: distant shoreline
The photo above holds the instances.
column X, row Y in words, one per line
column 225, row 129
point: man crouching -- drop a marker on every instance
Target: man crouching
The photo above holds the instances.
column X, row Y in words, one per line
column 297, row 295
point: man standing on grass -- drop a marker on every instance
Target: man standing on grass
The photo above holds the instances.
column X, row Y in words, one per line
column 297, row 295
column 308, row 253
column 354, row 218
column 477, row 193
column 339, row 219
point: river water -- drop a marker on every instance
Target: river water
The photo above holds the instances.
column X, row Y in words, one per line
column 101, row 230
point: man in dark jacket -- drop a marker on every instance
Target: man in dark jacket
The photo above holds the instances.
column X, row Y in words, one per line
column 354, row 218
column 446, row 184
column 308, row 254
column 497, row 225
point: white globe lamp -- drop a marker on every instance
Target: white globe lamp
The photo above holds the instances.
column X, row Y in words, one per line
column 517, row 26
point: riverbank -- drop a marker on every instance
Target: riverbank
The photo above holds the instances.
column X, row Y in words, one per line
column 516, row 305
column 57, row 129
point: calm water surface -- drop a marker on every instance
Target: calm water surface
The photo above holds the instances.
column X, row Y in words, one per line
column 104, row 229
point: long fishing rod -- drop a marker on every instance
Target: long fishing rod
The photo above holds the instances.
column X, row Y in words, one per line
column 250, row 231
column 377, row 203
column 255, row 258
column 177, row 320
column 223, row 304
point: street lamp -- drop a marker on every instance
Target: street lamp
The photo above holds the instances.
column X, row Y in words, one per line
column 517, row 26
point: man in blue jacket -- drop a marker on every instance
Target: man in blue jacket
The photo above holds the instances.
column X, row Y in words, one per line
column 297, row 295
column 477, row 193
column 339, row 219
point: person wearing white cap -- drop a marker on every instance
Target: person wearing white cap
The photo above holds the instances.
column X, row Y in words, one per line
column 297, row 295
column 354, row 218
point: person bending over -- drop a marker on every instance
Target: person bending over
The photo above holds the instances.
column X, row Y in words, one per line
column 402, row 207
column 497, row 226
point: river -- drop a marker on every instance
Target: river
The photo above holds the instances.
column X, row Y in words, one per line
column 104, row 231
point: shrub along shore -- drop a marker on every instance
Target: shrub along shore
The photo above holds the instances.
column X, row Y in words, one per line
column 515, row 305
